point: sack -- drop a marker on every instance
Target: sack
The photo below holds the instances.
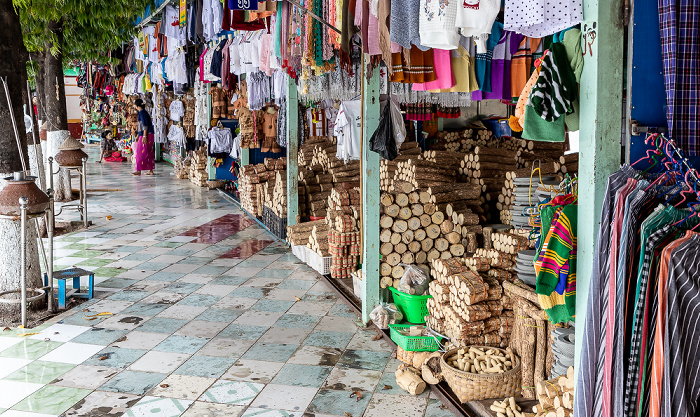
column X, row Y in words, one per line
column 414, row 280
column 385, row 314
column 382, row 141
column 399, row 125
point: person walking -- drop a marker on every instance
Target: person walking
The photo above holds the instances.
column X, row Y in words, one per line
column 143, row 148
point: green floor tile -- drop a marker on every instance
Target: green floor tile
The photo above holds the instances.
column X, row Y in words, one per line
column 40, row 372
column 52, row 399
column 95, row 263
column 29, row 349
column 107, row 272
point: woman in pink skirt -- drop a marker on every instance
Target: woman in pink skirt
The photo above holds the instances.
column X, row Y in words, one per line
column 144, row 147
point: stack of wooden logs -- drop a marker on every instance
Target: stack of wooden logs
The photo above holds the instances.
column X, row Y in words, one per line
column 318, row 241
column 424, row 225
column 343, row 219
column 568, row 164
column 468, row 305
column 299, row 233
column 387, row 169
column 319, row 172
column 182, row 167
column 198, row 167
column 556, row 396
column 506, row 199
column 531, row 338
column 254, row 190
column 278, row 202
column 544, row 155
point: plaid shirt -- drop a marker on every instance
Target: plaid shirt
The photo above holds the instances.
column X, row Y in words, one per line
column 632, row 387
column 680, row 41
column 590, row 370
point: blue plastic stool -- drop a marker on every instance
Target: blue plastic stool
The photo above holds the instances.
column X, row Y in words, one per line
column 75, row 274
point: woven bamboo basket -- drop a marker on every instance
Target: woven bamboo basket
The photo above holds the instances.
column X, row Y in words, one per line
column 472, row 387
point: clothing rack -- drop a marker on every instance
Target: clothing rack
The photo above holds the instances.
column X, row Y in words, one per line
column 682, row 159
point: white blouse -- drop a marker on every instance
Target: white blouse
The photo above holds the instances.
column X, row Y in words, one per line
column 437, row 24
column 479, row 21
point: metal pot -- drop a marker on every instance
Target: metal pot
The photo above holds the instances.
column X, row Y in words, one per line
column 70, row 158
column 22, row 186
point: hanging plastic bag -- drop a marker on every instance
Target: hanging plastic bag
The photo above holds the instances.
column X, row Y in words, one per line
column 414, row 280
column 397, row 122
column 385, row 314
column 382, row 141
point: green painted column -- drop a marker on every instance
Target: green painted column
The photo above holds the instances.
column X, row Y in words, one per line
column 600, row 134
column 245, row 157
column 292, row 151
column 370, row 196
column 159, row 153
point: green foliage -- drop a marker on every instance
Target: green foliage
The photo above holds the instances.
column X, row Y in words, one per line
column 91, row 28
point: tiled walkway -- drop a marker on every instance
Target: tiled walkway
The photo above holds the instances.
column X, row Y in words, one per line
column 208, row 316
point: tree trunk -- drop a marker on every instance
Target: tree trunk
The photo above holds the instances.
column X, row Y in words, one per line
column 13, row 66
column 55, row 107
column 38, row 57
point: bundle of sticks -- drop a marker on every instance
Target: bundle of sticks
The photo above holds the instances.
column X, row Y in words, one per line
column 343, row 220
column 568, row 164
column 531, row 338
column 198, row 174
column 468, row 305
column 252, row 185
column 299, row 233
column 556, row 396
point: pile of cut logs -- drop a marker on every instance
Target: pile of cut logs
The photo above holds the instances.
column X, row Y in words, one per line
column 255, row 192
column 568, row 164
column 468, row 305
column 182, row 166
column 343, row 220
column 556, row 396
column 424, row 225
column 532, row 336
column 300, row 233
column 198, row 167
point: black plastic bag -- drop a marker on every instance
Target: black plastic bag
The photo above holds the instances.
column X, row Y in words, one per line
column 383, row 141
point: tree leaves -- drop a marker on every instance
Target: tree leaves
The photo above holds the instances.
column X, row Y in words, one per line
column 91, row 29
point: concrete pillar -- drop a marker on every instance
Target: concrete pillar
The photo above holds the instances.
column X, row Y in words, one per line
column 600, row 134
column 370, row 196
column 292, row 151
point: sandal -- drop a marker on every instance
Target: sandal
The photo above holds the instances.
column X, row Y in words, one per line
column 136, row 174
column 149, row 173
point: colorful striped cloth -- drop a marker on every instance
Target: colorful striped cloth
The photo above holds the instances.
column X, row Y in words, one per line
column 556, row 265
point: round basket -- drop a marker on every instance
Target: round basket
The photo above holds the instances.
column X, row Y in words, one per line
column 473, row 387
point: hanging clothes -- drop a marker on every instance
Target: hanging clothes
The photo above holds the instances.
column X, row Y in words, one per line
column 635, row 360
column 348, row 130
column 538, row 18
column 680, row 43
column 437, row 24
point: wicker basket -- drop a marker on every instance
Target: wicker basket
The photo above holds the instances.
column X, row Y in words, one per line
column 472, row 387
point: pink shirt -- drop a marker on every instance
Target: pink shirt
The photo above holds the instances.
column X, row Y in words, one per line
column 201, row 64
column 619, row 215
column 443, row 72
